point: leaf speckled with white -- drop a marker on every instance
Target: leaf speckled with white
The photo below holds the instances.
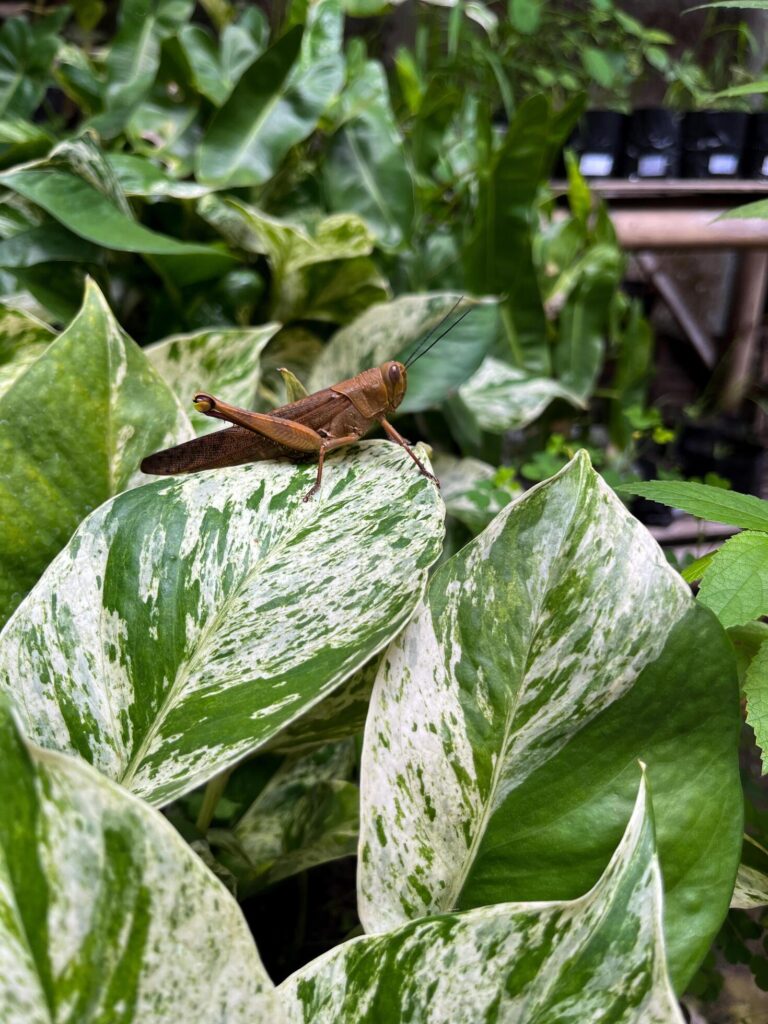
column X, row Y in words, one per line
column 548, row 655
column 224, row 361
column 105, row 913
column 22, row 339
column 596, row 960
column 190, row 620
column 73, row 428
column 501, row 397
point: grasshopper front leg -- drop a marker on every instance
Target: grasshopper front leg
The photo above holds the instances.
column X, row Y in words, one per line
column 393, row 435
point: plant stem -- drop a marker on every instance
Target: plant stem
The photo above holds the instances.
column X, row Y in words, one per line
column 211, row 797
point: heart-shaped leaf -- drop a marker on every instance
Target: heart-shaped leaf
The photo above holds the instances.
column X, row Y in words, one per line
column 188, row 621
column 511, row 962
column 105, row 912
column 550, row 654
column 223, row 361
column 73, row 429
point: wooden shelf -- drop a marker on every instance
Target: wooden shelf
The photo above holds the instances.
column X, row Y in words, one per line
column 673, row 188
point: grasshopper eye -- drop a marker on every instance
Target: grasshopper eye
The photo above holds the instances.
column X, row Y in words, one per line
column 394, row 372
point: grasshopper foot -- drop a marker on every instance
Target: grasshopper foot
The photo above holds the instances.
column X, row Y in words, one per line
column 311, row 492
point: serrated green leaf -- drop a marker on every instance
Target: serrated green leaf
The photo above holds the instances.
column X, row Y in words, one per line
column 306, row 815
column 105, row 912
column 73, row 429
column 756, row 692
column 513, row 961
column 735, row 586
column 222, row 361
column 391, row 331
column 696, row 569
column 22, row 339
column 277, row 102
column 549, row 654
column 195, row 618
column 705, row 502
column 500, row 397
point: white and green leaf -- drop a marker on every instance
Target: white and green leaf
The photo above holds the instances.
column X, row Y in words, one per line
column 73, row 428
column 501, row 397
column 225, row 361
column 548, row 655
column 189, row 621
column 23, row 337
column 597, row 958
column 306, row 815
column 105, row 912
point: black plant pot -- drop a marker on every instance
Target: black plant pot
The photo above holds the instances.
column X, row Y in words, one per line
column 713, row 142
column 755, row 162
column 653, row 144
column 599, row 143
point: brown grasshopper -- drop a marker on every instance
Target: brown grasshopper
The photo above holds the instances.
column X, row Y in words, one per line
column 310, row 427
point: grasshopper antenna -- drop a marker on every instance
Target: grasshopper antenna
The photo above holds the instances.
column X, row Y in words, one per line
column 420, row 344
column 432, row 344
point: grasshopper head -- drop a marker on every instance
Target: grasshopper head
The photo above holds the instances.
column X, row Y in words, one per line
column 395, row 378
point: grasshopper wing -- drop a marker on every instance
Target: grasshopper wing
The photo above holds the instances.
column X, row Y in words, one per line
column 231, row 447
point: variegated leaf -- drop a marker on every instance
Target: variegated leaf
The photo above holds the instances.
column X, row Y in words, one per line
column 307, row 814
column 552, row 652
column 190, row 620
column 500, row 397
column 223, row 361
column 73, row 429
column 22, row 339
column 340, row 715
column 473, row 491
column 598, row 959
column 391, row 330
column 751, row 889
column 105, row 913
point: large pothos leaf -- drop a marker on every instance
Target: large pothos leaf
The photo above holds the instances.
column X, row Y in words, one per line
column 500, row 397
column 73, row 429
column 549, row 654
column 105, row 912
column 276, row 103
column 188, row 621
column 306, row 815
column 22, row 339
column 223, row 361
column 599, row 958
column 392, row 330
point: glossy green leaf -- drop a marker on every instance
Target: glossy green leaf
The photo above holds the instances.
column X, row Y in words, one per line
column 79, row 206
column 735, row 585
column 392, row 330
column 277, row 102
column 27, row 51
column 693, row 572
column 585, row 321
column 500, row 397
column 222, row 361
column 756, row 692
column 49, row 243
column 306, row 815
column 105, row 912
column 73, row 429
column 550, row 654
column 22, row 339
column 705, row 502
column 322, row 275
column 599, row 958
column 365, row 170
column 216, row 68
column 187, row 622
column 138, row 176
column 133, row 59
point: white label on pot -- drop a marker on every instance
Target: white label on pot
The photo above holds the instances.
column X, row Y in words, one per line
column 652, row 165
column 723, row 163
column 596, row 165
